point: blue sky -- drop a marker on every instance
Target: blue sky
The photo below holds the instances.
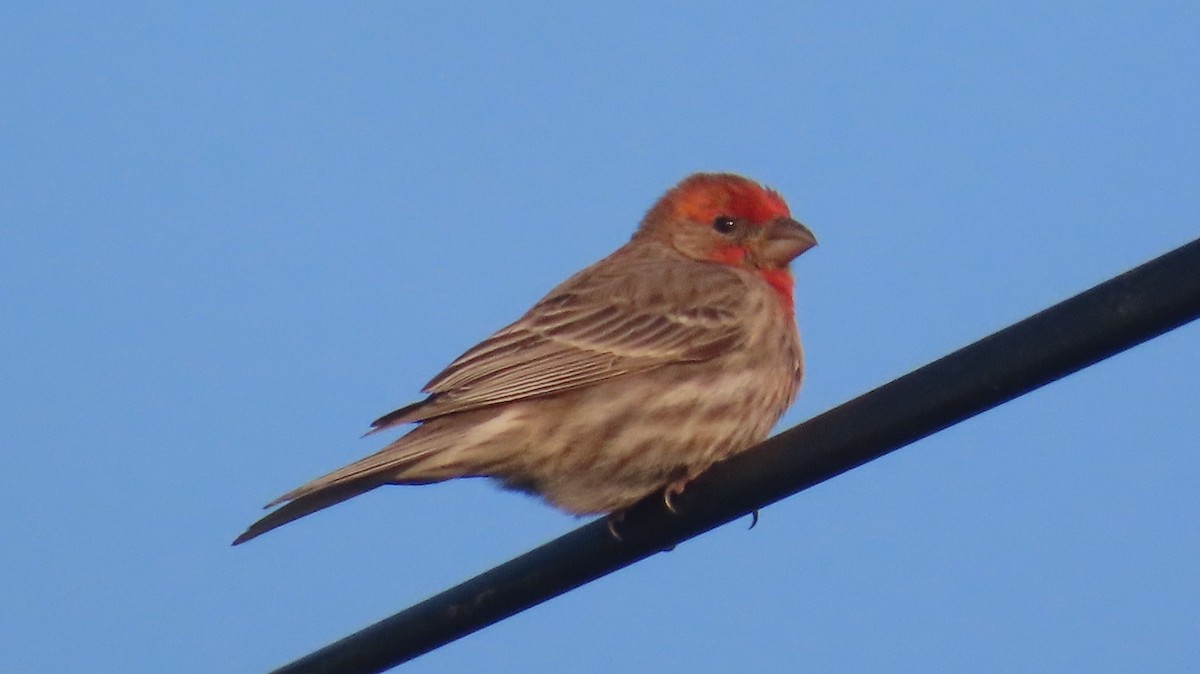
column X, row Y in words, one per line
column 233, row 234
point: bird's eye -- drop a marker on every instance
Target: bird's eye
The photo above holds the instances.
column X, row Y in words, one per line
column 724, row 224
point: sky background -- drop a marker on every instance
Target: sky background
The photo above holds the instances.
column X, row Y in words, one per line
column 233, row 234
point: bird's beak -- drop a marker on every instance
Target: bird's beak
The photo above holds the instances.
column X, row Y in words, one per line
column 784, row 239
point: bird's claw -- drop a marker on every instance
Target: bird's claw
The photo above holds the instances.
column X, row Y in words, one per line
column 753, row 518
column 672, row 490
column 610, row 521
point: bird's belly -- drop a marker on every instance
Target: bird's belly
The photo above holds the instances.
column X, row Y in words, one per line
column 605, row 447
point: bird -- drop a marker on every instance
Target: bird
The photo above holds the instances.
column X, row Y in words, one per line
column 632, row 377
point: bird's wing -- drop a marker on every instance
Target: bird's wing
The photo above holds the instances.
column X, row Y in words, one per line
column 596, row 326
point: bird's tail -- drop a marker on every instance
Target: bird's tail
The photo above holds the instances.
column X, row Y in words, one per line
column 398, row 463
column 306, row 505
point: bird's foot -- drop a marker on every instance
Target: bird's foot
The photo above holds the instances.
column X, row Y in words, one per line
column 670, row 492
column 610, row 521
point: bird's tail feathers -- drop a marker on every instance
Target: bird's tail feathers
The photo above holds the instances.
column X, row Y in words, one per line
column 306, row 505
column 398, row 463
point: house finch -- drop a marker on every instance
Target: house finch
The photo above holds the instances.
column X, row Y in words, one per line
column 633, row 376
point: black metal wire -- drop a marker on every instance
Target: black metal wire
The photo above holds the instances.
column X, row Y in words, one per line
column 1116, row 315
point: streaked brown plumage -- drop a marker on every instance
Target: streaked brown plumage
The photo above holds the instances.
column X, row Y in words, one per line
column 635, row 374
